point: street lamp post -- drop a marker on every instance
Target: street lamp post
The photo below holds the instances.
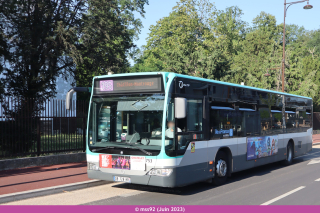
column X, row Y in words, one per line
column 284, row 32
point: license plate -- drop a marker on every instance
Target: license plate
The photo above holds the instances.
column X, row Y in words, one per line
column 122, row 179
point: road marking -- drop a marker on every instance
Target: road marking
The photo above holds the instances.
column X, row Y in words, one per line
column 307, row 155
column 314, row 161
column 282, row 196
column 318, row 179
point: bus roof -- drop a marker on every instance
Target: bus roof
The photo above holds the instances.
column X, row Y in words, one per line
column 199, row 79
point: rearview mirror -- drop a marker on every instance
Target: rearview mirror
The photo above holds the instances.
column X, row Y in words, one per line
column 180, row 107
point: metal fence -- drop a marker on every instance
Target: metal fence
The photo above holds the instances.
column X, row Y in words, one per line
column 53, row 129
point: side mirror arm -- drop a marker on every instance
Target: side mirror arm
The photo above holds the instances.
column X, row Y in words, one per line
column 70, row 94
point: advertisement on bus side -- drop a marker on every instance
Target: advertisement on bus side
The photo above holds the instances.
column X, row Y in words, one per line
column 259, row 147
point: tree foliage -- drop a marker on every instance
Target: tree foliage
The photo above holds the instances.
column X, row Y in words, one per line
column 106, row 38
column 37, row 53
column 184, row 42
column 41, row 40
column 222, row 46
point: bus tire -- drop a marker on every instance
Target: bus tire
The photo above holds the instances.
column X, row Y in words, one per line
column 221, row 169
column 289, row 157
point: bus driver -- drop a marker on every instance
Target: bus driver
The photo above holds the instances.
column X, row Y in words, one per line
column 170, row 131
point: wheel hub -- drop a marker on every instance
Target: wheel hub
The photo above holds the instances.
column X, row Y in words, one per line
column 221, row 168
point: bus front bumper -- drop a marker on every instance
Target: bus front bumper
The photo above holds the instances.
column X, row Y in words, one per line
column 167, row 181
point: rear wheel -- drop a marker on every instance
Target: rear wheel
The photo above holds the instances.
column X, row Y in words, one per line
column 221, row 169
column 289, row 157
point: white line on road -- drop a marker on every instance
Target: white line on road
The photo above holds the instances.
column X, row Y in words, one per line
column 282, row 196
column 318, row 179
column 314, row 161
column 307, row 155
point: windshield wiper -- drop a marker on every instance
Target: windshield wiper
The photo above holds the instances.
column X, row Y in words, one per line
column 142, row 150
column 136, row 147
column 132, row 147
column 107, row 147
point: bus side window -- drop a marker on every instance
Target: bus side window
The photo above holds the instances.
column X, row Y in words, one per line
column 251, row 122
column 305, row 120
column 192, row 124
column 193, row 121
column 194, row 113
column 225, row 122
column 291, row 119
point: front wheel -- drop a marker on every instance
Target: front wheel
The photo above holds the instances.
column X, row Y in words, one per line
column 221, row 169
column 289, row 157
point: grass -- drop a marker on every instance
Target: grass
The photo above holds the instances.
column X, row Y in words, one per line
column 61, row 142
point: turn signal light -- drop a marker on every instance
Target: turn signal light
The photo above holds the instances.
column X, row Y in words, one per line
column 210, row 170
column 210, row 162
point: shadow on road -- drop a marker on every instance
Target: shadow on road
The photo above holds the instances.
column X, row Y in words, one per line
column 203, row 186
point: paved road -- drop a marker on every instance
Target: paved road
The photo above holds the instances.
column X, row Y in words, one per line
column 274, row 184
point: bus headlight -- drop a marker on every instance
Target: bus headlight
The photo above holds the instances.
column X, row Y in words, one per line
column 92, row 166
column 160, row 172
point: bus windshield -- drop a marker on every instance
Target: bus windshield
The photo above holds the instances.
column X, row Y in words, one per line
column 126, row 122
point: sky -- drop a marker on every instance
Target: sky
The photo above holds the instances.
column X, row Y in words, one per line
column 310, row 19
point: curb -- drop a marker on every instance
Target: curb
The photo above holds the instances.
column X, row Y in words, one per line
column 50, row 190
column 317, row 143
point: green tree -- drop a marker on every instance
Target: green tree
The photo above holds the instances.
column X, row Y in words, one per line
column 36, row 58
column 140, row 65
column 267, row 23
column 228, row 24
column 38, row 52
column 184, row 42
column 4, row 55
column 302, row 73
column 51, row 38
column 106, row 38
column 304, row 78
column 259, row 52
column 314, row 42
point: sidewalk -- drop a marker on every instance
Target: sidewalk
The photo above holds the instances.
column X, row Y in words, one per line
column 19, row 180
column 316, row 139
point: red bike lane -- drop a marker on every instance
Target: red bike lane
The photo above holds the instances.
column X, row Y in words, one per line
column 18, row 180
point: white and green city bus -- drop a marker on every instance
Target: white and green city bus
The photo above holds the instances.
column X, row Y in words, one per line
column 166, row 129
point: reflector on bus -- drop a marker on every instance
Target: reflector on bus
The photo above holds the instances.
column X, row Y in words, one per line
column 246, row 109
column 221, row 108
column 229, row 108
column 290, row 112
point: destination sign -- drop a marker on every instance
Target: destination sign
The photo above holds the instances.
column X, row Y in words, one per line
column 150, row 84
